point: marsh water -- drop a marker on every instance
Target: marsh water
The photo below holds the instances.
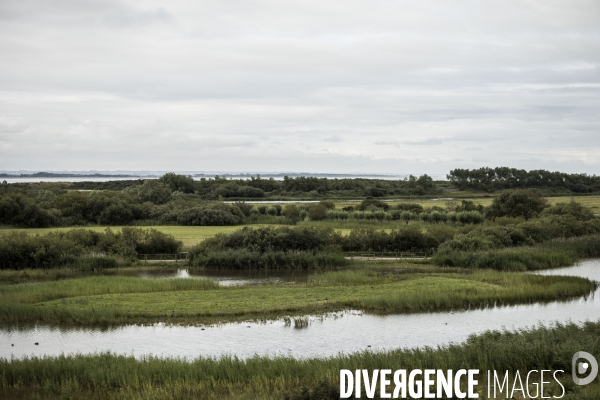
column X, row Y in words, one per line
column 343, row 332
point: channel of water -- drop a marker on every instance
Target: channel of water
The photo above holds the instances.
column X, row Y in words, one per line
column 342, row 332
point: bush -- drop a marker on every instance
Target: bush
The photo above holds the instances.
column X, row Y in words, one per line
column 245, row 259
column 94, row 263
column 270, row 239
column 370, row 204
column 214, row 214
column 517, row 203
column 292, row 212
column 317, row 212
column 18, row 250
column 552, row 254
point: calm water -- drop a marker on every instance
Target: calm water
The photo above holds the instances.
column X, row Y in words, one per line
column 345, row 332
column 232, row 277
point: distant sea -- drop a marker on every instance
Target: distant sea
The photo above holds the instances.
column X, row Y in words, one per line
column 197, row 176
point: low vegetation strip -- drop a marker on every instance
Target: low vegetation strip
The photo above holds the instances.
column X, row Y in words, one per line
column 111, row 376
column 550, row 254
column 244, row 259
column 121, row 300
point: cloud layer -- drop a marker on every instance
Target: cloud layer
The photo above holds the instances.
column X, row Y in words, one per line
column 335, row 86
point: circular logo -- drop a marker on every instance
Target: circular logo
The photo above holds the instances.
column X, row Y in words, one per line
column 580, row 367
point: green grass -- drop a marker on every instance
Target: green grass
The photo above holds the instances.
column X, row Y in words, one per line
column 189, row 235
column 118, row 300
column 108, row 376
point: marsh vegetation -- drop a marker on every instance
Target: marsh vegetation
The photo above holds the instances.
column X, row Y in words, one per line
column 478, row 247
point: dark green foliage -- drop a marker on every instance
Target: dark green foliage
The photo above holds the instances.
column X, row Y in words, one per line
column 235, row 189
column 151, row 190
column 517, row 203
column 292, row 212
column 490, row 179
column 329, row 204
column 409, row 239
column 468, row 205
column 256, row 187
column 94, row 263
column 522, row 233
column 18, row 250
column 116, row 214
column 106, row 185
column 17, row 209
column 370, row 204
column 317, row 212
column 246, row 209
column 556, row 253
column 324, row 390
column 178, row 183
column 244, row 259
column 270, row 248
column 213, row 214
column 571, row 209
column 412, row 207
column 270, row 239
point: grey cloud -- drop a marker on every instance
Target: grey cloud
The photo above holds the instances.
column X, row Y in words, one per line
column 128, row 17
column 426, row 142
column 387, row 143
column 334, row 139
column 182, row 80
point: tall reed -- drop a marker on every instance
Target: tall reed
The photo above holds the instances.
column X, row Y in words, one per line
column 118, row 376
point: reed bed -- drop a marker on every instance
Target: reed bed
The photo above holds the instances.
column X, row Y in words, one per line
column 551, row 254
column 114, row 376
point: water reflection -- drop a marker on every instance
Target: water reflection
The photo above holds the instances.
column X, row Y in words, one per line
column 346, row 332
column 232, row 277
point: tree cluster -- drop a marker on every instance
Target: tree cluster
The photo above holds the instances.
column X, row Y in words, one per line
column 500, row 178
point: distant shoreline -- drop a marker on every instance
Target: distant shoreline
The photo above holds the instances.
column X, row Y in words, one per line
column 53, row 175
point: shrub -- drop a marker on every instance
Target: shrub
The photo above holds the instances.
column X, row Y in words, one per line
column 292, row 212
column 317, row 212
column 245, row 259
column 517, row 203
column 555, row 253
column 214, row 214
column 19, row 250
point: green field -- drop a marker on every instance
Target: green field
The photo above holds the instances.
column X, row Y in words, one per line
column 189, row 235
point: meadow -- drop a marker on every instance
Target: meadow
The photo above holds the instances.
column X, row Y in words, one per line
column 110, row 300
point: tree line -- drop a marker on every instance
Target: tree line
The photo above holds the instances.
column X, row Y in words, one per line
column 256, row 187
column 500, row 178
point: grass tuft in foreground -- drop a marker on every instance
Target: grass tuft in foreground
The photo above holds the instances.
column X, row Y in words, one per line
column 110, row 376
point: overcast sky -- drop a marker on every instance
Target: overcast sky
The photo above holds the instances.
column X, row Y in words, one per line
column 304, row 85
